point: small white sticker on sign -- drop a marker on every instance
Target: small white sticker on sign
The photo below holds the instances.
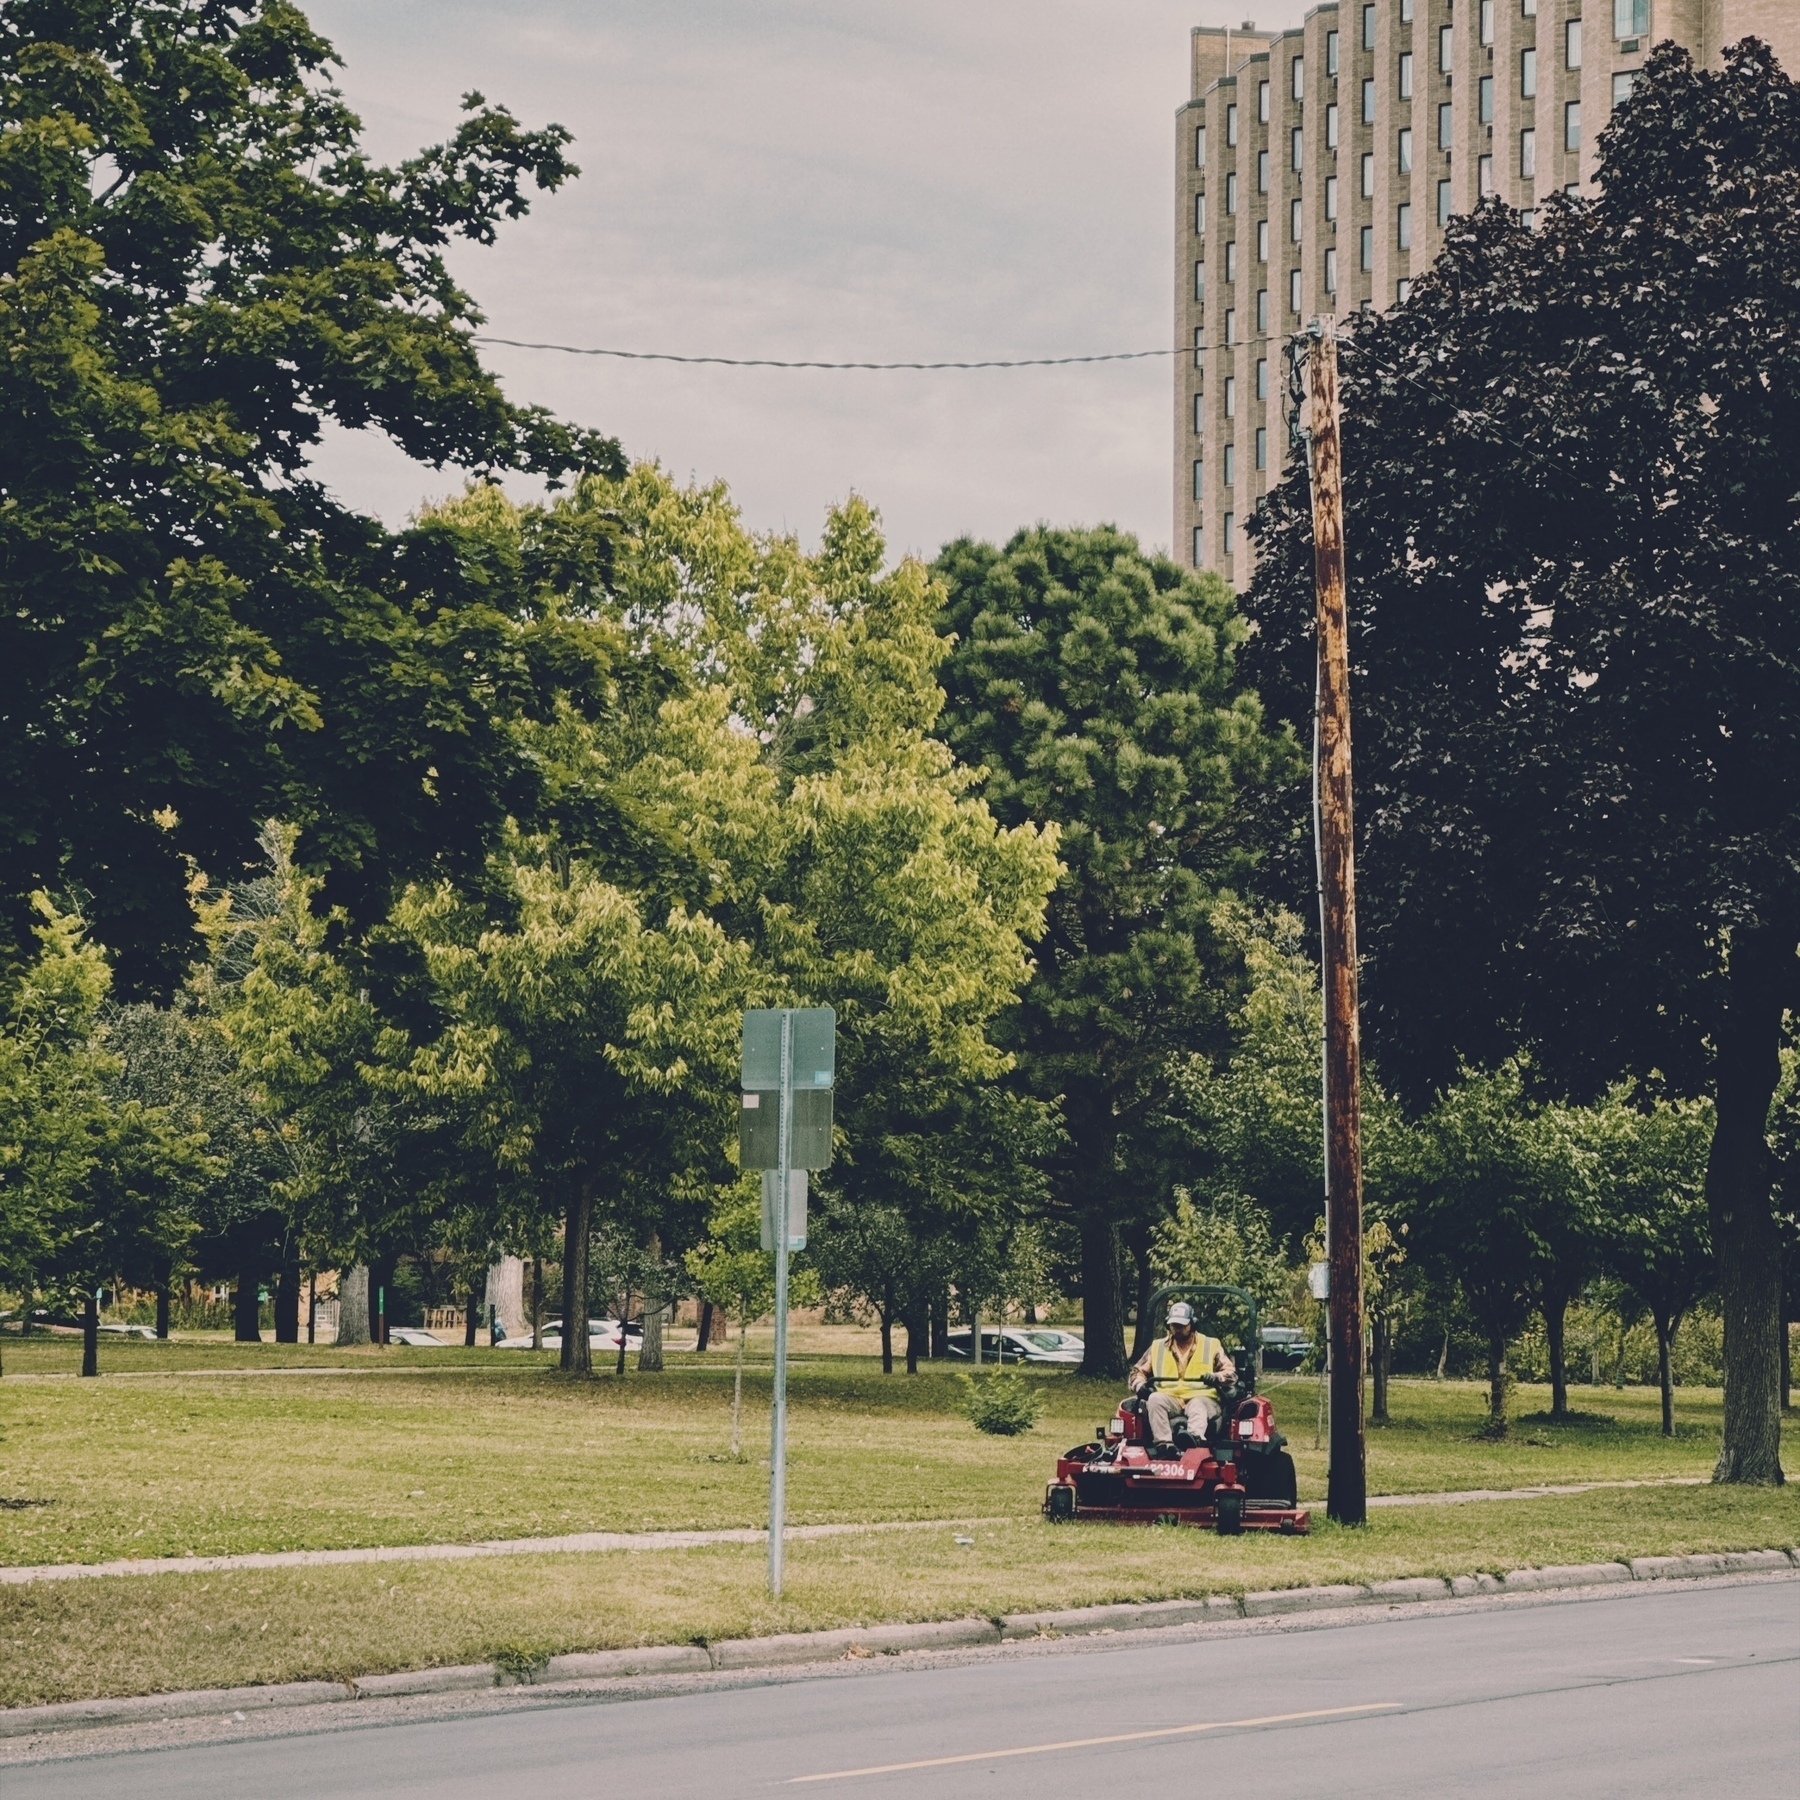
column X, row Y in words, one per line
column 752, row 1102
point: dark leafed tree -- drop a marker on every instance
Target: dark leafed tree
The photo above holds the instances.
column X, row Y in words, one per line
column 1098, row 687
column 1575, row 591
column 199, row 266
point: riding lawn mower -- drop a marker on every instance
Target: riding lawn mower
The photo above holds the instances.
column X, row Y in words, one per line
column 1237, row 1478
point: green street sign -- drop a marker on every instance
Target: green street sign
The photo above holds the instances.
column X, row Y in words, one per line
column 812, row 1051
column 812, row 1069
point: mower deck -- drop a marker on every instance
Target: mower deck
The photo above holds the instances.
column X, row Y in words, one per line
column 1127, row 1486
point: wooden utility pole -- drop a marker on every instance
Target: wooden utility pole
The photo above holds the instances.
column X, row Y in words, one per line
column 1347, row 1486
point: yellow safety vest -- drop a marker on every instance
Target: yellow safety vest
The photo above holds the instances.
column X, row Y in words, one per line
column 1169, row 1378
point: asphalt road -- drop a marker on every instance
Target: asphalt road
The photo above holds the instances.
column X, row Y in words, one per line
column 1684, row 1692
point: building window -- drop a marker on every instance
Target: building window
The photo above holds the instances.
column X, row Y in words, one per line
column 1331, row 270
column 1484, row 176
column 1446, row 48
column 1403, row 225
column 1406, row 74
column 1293, row 290
column 1406, row 12
column 1623, row 83
column 1572, row 125
column 1368, row 18
column 1368, row 175
column 1331, row 65
column 1199, row 547
column 1199, row 215
column 1528, row 218
column 1403, row 151
column 1446, row 126
column 1443, row 210
column 1297, row 69
column 1368, row 100
column 1262, row 309
column 1331, row 126
column 1294, row 147
column 1262, row 102
column 1231, row 126
column 1365, row 248
column 1527, row 74
column 1262, row 240
column 1230, row 523
column 1231, row 396
column 1231, row 324
column 1402, row 290
column 1262, row 378
column 1331, row 196
column 1262, row 446
column 1572, row 44
column 1199, row 146
column 1484, row 99
column 1199, row 281
column 1527, row 9
column 1231, row 259
column 1296, row 216
column 1262, row 171
column 1631, row 18
column 1228, row 466
column 1199, row 479
column 1199, row 347
column 1485, row 15
column 1231, row 191
column 1199, row 414
column 1527, row 153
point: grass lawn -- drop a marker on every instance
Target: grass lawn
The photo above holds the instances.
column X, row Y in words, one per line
column 497, row 1444
column 71, row 1640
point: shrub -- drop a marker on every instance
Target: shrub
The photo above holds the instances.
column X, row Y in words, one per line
column 1004, row 1403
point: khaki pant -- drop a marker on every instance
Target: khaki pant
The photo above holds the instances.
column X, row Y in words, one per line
column 1163, row 1409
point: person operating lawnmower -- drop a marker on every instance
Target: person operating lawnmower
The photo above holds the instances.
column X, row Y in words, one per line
column 1181, row 1373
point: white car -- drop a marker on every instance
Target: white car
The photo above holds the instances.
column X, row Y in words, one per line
column 603, row 1334
column 411, row 1334
column 1019, row 1344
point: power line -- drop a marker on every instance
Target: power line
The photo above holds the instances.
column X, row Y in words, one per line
column 770, row 362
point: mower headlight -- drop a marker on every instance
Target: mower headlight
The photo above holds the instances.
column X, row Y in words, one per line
column 1246, row 1428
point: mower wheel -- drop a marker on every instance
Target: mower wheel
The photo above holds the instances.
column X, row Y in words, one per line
column 1229, row 1514
column 1062, row 1505
column 1271, row 1477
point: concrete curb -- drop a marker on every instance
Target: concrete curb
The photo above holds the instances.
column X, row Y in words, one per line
column 887, row 1640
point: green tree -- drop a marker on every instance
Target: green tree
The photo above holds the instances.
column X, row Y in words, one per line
column 1569, row 495
column 1097, row 688
column 199, row 267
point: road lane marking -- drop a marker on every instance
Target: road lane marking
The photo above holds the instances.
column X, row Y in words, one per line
column 1088, row 1743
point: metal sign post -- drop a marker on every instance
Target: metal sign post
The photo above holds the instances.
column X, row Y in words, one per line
column 797, row 1048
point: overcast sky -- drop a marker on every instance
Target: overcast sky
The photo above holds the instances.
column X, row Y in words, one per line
column 872, row 179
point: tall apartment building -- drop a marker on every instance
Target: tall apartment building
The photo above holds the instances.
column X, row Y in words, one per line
column 1316, row 170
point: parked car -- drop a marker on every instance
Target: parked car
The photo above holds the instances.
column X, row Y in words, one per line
column 1284, row 1346
column 1018, row 1344
column 603, row 1334
column 411, row 1334
column 130, row 1331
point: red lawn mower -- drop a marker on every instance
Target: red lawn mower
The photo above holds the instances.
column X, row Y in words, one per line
column 1237, row 1478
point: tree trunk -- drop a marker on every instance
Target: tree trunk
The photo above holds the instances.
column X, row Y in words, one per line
column 1444, row 1354
column 162, row 1305
column 940, row 1324
column 537, row 1303
column 577, row 1226
column 1556, row 1312
column 887, row 1330
column 1746, row 1068
column 624, row 1320
column 246, row 1311
column 1496, row 1423
column 650, row 1349
column 287, row 1300
column 1144, row 1330
column 704, row 1330
column 915, row 1336
column 353, row 1305
column 1378, row 1414
column 1103, row 1331
column 90, row 1332
column 471, row 1319
column 1787, row 1369
column 737, row 1391
column 1665, row 1371
column 381, row 1297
